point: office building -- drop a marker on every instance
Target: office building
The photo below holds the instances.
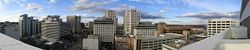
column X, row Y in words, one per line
column 75, row 22
column 90, row 27
column 244, row 15
column 10, row 29
column 120, row 30
column 145, row 29
column 105, row 28
column 65, row 29
column 111, row 14
column 123, row 43
column 36, row 27
column 215, row 26
column 131, row 19
column 155, row 42
column 90, row 43
column 28, row 26
column 51, row 28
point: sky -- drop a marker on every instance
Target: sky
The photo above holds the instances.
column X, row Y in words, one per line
column 169, row 11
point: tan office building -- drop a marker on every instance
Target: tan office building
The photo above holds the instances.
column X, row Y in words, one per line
column 75, row 22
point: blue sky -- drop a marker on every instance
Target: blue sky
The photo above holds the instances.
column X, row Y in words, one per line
column 170, row 11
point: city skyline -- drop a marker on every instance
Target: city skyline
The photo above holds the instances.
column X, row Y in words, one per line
column 170, row 11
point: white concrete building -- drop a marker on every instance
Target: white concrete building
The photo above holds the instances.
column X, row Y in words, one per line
column 90, row 43
column 145, row 29
column 215, row 26
column 51, row 28
column 155, row 42
column 105, row 28
column 131, row 19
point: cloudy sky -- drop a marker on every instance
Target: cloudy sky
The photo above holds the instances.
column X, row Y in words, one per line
column 170, row 11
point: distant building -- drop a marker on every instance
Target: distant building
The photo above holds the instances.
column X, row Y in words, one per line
column 105, row 28
column 28, row 26
column 111, row 14
column 244, row 15
column 131, row 19
column 65, row 29
column 75, row 22
column 11, row 29
column 51, row 28
column 120, row 30
column 90, row 27
column 155, row 42
column 90, row 43
column 145, row 29
column 215, row 26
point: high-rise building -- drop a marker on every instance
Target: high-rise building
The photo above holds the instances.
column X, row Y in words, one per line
column 111, row 14
column 35, row 27
column 51, row 28
column 75, row 22
column 244, row 15
column 145, row 29
column 105, row 28
column 131, row 19
column 215, row 26
column 11, row 29
column 65, row 29
column 28, row 26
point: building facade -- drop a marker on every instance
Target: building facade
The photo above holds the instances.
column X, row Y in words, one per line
column 155, row 42
column 51, row 28
column 215, row 26
column 145, row 29
column 29, row 26
column 90, row 43
column 75, row 22
column 131, row 19
column 111, row 14
column 244, row 15
column 105, row 28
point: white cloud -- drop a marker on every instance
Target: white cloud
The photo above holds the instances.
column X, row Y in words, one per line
column 80, row 1
column 207, row 15
column 213, row 5
column 150, row 1
column 52, row 1
column 34, row 6
column 188, row 21
column 85, row 4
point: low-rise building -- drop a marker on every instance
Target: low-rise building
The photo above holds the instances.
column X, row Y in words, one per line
column 90, row 43
column 155, row 42
column 145, row 29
